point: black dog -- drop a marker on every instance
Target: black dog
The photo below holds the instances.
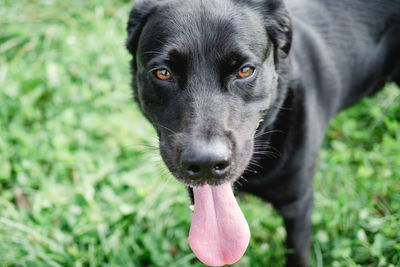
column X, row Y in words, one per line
column 226, row 82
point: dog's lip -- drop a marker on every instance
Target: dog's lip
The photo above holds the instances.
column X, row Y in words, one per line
column 202, row 182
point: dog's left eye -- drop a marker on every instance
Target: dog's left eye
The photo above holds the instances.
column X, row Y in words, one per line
column 245, row 72
column 163, row 74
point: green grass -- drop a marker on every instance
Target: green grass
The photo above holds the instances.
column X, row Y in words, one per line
column 82, row 184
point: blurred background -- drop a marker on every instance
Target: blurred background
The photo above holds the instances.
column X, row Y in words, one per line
column 81, row 181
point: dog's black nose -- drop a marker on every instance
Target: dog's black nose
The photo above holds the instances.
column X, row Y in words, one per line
column 210, row 160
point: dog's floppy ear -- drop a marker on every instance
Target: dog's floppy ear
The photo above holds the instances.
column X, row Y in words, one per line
column 277, row 22
column 279, row 25
column 137, row 19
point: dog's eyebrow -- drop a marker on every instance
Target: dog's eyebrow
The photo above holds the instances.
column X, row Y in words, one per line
column 155, row 63
column 171, row 56
column 177, row 57
column 235, row 59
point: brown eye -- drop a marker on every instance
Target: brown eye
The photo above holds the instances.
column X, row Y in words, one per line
column 245, row 72
column 163, row 74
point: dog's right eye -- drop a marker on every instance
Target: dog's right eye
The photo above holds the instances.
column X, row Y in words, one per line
column 245, row 72
column 162, row 74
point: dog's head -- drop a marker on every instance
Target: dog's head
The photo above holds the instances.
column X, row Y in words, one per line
column 205, row 73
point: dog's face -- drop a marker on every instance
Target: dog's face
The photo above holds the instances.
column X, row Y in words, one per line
column 205, row 74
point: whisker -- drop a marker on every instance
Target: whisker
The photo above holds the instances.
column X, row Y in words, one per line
column 240, row 180
column 258, row 135
column 249, row 168
column 166, row 128
column 262, row 146
column 255, row 164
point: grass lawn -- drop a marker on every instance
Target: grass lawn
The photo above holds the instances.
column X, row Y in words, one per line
column 81, row 181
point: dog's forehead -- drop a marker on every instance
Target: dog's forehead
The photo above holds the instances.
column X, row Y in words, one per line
column 203, row 26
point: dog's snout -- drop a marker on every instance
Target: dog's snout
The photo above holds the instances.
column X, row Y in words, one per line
column 206, row 161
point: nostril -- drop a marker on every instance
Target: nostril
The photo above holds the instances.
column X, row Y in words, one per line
column 193, row 169
column 220, row 168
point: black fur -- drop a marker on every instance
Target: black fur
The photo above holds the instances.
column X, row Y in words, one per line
column 312, row 59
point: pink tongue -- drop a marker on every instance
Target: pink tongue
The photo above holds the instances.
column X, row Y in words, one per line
column 219, row 233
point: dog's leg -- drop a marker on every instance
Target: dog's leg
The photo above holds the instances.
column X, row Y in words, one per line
column 297, row 218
